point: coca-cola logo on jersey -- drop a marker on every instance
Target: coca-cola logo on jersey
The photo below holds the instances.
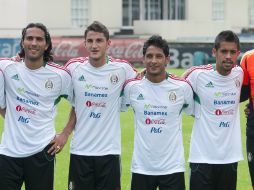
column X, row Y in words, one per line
column 96, row 104
column 224, row 112
column 150, row 121
column 26, row 110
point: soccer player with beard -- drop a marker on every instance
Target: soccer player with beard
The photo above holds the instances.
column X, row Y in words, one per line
column 33, row 87
column 216, row 145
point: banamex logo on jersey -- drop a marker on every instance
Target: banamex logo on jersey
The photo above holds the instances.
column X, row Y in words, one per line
column 26, row 101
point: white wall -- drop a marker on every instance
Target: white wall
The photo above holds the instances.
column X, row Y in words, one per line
column 56, row 15
column 177, row 30
column 12, row 17
column 109, row 12
column 237, row 13
column 198, row 10
column 52, row 13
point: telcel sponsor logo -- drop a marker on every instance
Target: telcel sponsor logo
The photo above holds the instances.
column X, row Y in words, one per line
column 24, row 119
column 22, row 91
column 149, row 121
column 150, row 106
column 224, row 94
column 95, row 115
column 224, row 124
column 156, row 130
column 23, row 109
column 90, row 86
column 224, row 112
column 96, row 104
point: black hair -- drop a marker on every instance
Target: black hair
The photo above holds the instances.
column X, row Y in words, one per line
column 156, row 41
column 226, row 36
column 48, row 55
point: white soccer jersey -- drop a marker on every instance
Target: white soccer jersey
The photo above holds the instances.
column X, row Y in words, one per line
column 158, row 145
column 216, row 134
column 31, row 98
column 2, row 93
column 97, row 105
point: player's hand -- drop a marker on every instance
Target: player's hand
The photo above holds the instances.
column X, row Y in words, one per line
column 16, row 58
column 58, row 143
column 247, row 110
column 141, row 74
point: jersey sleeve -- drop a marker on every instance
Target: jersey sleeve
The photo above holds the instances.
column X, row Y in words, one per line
column 192, row 78
column 125, row 102
column 243, row 64
column 70, row 66
column 2, row 91
column 67, row 87
column 130, row 71
column 188, row 100
column 245, row 91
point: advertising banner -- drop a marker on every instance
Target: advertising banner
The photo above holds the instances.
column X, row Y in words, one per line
column 182, row 55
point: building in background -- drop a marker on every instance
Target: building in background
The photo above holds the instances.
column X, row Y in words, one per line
column 181, row 22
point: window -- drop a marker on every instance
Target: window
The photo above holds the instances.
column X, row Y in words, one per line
column 130, row 11
column 176, row 9
column 79, row 13
column 152, row 10
column 218, row 9
column 251, row 13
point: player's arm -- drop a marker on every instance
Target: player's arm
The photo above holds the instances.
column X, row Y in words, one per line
column 2, row 112
column 189, row 100
column 60, row 139
column 125, row 101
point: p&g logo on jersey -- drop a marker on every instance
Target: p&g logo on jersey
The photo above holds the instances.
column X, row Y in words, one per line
column 224, row 124
column 95, row 115
column 24, row 119
column 156, row 130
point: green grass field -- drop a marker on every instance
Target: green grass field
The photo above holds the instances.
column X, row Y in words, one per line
column 62, row 161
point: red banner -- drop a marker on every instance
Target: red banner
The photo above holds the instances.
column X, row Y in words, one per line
column 67, row 48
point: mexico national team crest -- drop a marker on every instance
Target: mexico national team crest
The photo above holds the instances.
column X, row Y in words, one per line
column 49, row 84
column 237, row 83
column 172, row 96
column 114, row 78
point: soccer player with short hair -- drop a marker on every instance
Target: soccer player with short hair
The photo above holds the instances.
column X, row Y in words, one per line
column 158, row 101
column 216, row 145
column 33, row 86
column 96, row 144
